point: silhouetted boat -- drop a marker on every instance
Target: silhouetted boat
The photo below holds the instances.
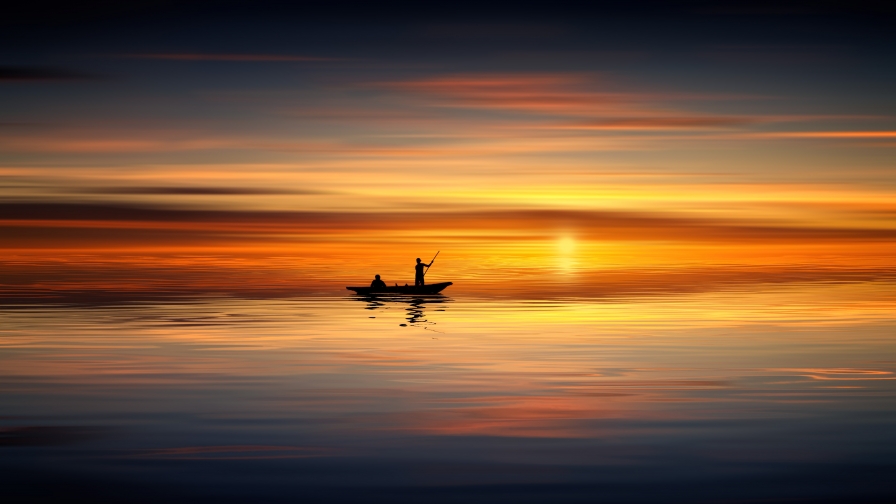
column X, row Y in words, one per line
column 403, row 289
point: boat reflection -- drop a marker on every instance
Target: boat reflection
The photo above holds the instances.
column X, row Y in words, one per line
column 415, row 309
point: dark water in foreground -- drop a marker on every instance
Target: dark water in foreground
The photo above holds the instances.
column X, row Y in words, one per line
column 784, row 394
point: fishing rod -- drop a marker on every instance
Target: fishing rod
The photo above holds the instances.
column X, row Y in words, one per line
column 430, row 262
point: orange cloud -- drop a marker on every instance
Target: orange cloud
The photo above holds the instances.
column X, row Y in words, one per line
column 850, row 135
column 573, row 95
column 556, row 94
column 661, row 123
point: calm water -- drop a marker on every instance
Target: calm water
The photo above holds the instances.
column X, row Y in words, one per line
column 779, row 393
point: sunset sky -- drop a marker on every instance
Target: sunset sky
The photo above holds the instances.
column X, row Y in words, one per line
column 257, row 146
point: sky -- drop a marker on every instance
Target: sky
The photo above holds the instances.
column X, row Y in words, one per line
column 254, row 146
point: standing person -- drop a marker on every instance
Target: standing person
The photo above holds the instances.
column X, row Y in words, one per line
column 418, row 278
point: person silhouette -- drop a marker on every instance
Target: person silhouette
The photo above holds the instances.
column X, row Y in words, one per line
column 378, row 284
column 418, row 278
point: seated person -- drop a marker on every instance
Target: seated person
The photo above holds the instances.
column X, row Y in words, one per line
column 378, row 284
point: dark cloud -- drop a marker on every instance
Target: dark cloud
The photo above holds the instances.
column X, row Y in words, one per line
column 24, row 74
column 45, row 435
column 225, row 57
column 195, row 191
column 602, row 225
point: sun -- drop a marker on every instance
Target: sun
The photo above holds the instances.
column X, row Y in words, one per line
column 566, row 245
column 565, row 253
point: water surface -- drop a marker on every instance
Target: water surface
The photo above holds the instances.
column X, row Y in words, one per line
column 773, row 393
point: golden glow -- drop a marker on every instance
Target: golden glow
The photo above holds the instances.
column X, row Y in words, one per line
column 520, row 177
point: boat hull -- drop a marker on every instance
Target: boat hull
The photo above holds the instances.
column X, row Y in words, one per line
column 403, row 289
